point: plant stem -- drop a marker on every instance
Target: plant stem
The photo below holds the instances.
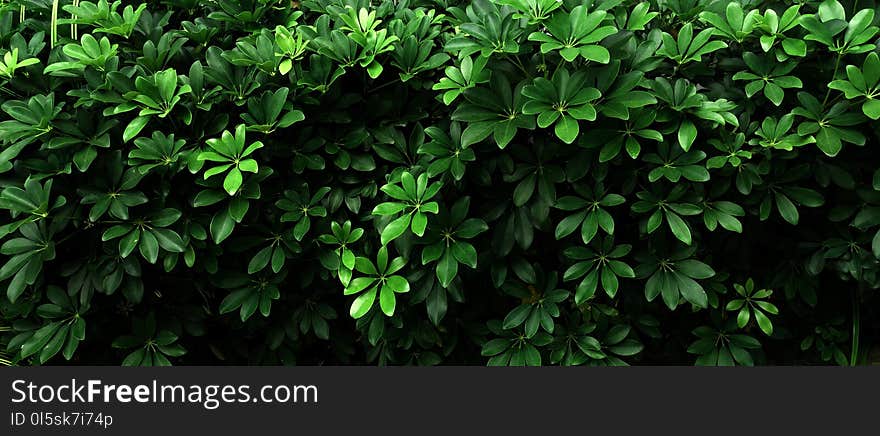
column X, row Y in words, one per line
column 54, row 31
column 64, row 239
column 386, row 84
column 833, row 75
column 854, row 6
column 556, row 69
column 515, row 60
column 74, row 32
column 856, row 326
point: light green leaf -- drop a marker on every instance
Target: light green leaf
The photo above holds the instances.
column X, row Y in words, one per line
column 395, row 229
column 362, row 304
column 134, row 127
column 232, row 181
column 567, row 129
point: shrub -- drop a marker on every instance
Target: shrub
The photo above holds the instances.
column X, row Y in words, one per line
column 421, row 182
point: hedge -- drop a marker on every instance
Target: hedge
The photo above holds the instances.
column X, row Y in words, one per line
column 420, row 182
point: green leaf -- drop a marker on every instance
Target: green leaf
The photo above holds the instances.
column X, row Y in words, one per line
column 743, row 317
column 787, row 209
column 875, row 244
column 828, row 141
column 465, row 253
column 397, row 284
column 359, row 284
column 374, row 70
column 517, row 316
column 691, row 291
column 587, row 288
column 395, row 229
column 871, row 108
column 419, row 223
column 567, row 129
column 221, row 226
column 590, row 227
column 387, row 301
column 169, row 240
column 678, row 227
column 495, row 346
column 362, row 304
column 55, row 343
column 134, row 127
column 694, row 269
column 609, row 282
column 629, row 347
column 249, row 165
column 687, row 134
column 764, row 322
column 149, row 247
column 447, row 268
column 115, row 232
column 569, row 224
column 794, row 47
column 389, row 208
column 260, row 260
column 232, row 181
column 831, row 10
column 301, row 228
column 128, row 243
column 524, row 190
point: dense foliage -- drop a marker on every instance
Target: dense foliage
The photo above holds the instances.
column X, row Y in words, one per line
column 439, row 181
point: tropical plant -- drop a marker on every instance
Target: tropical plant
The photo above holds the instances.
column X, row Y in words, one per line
column 502, row 182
